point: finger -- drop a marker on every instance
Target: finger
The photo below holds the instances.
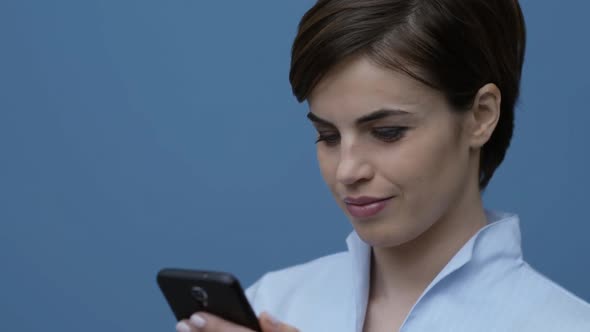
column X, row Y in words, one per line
column 271, row 324
column 185, row 326
column 204, row 322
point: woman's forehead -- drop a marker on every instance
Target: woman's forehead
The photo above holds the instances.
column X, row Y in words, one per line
column 361, row 86
column 361, row 77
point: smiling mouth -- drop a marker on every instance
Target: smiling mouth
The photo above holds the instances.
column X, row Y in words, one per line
column 366, row 207
column 362, row 201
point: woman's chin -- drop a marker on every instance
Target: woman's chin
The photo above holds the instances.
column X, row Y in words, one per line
column 381, row 234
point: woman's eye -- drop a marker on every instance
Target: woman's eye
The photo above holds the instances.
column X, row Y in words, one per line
column 328, row 138
column 389, row 134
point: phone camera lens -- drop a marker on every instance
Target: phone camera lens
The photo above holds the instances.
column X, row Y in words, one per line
column 200, row 295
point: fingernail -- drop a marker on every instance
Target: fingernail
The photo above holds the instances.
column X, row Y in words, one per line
column 182, row 327
column 198, row 321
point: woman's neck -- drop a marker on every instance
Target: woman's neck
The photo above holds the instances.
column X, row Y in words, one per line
column 405, row 271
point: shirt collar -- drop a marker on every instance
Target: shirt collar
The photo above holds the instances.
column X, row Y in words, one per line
column 499, row 239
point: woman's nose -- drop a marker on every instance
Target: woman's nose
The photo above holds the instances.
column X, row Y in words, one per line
column 353, row 168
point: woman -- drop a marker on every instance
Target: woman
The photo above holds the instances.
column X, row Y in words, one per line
column 413, row 101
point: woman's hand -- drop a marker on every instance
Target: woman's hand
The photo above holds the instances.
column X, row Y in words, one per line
column 204, row 322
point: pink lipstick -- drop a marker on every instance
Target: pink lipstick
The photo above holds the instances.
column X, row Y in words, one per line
column 364, row 207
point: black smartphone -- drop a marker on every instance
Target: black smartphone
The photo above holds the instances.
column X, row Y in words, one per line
column 218, row 293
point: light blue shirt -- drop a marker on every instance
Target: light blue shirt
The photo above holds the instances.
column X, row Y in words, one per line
column 486, row 286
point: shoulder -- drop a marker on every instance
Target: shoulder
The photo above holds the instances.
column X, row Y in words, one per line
column 297, row 292
column 306, row 276
column 560, row 298
column 544, row 305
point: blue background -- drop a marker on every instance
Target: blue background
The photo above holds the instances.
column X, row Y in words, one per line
column 141, row 134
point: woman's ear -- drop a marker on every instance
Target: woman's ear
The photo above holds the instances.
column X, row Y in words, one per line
column 484, row 115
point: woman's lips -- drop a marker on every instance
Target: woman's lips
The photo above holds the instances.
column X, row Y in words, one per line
column 365, row 207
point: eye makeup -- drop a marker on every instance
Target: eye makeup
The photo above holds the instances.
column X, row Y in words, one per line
column 388, row 134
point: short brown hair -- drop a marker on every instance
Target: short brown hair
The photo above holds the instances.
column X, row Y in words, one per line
column 454, row 46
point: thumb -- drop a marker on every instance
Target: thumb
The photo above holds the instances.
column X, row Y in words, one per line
column 271, row 324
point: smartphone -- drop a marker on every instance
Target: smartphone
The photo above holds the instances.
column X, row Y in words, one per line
column 218, row 293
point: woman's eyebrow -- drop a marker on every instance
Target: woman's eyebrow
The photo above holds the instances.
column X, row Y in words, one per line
column 317, row 120
column 380, row 114
column 376, row 115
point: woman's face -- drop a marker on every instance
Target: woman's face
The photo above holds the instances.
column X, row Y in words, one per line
column 390, row 149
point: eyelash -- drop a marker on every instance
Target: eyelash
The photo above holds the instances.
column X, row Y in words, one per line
column 385, row 134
